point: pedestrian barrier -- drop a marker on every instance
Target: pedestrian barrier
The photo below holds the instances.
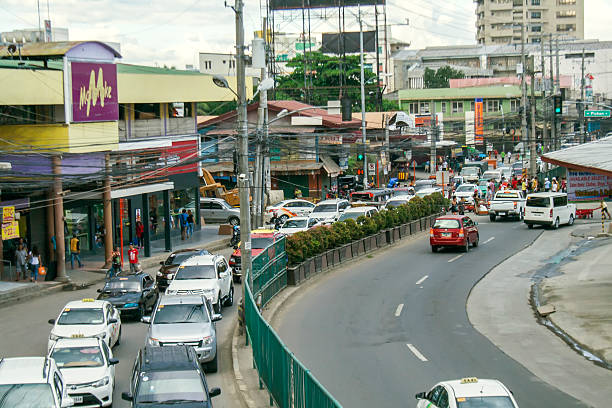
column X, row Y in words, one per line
column 290, row 384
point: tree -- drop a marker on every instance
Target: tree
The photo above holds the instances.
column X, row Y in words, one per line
column 441, row 77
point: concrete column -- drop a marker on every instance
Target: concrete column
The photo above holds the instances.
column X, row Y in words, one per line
column 50, row 227
column 197, row 214
column 58, row 203
column 108, row 214
column 146, row 225
column 167, row 223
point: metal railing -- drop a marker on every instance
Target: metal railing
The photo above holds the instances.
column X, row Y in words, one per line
column 290, row 384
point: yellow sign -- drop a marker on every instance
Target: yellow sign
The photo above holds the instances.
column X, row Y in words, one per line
column 10, row 230
column 8, row 214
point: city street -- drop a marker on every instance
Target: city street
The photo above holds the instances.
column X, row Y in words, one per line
column 26, row 331
column 380, row 330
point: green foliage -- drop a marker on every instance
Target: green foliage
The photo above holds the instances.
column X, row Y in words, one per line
column 215, row 108
column 441, row 77
column 354, row 229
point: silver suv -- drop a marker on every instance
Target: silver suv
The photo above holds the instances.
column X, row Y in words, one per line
column 185, row 320
column 218, row 210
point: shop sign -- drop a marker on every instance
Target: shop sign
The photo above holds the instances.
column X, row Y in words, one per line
column 478, row 121
column 10, row 230
column 584, row 186
column 94, row 92
column 330, row 140
column 8, row 214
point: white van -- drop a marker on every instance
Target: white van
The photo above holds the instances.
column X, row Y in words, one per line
column 550, row 209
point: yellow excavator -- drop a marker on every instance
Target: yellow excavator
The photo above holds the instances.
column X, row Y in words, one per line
column 210, row 188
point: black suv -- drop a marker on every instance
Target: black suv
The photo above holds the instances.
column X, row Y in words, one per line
column 170, row 265
column 164, row 376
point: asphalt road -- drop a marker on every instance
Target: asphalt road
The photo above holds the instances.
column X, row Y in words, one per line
column 25, row 332
column 351, row 332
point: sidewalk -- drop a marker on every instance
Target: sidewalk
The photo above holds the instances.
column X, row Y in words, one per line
column 500, row 308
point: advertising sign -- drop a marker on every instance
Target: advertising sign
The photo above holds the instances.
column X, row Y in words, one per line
column 8, row 214
column 469, row 128
column 94, row 92
column 330, row 139
column 584, row 186
column 10, row 230
column 371, row 168
column 182, row 157
column 478, row 121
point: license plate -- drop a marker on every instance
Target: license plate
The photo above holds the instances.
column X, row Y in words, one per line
column 446, row 234
column 77, row 336
column 78, row 399
column 502, row 213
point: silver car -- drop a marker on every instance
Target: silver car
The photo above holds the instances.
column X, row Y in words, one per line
column 185, row 320
column 218, row 210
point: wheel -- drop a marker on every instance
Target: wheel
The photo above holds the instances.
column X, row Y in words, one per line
column 212, row 366
column 118, row 342
column 217, row 306
column 475, row 243
column 283, row 218
column 530, row 226
column 236, row 279
column 466, row 247
column 571, row 220
column 556, row 224
column 234, row 221
column 492, row 217
column 434, row 249
column 230, row 297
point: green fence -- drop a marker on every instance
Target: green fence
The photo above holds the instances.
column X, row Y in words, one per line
column 290, row 384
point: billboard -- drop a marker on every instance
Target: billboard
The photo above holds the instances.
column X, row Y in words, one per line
column 584, row 186
column 478, row 122
column 469, row 128
column 181, row 157
column 94, row 92
column 348, row 42
column 299, row 4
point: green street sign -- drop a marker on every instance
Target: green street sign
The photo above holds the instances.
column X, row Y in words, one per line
column 596, row 113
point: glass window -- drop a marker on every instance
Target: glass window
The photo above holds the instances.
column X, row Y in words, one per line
column 515, row 104
column 492, row 105
column 59, row 387
column 177, row 259
column 261, row 242
column 216, row 206
column 536, row 28
column 180, row 313
column 457, row 107
column 295, row 223
column 68, row 357
column 81, row 316
column 443, row 399
column 325, row 208
column 147, row 110
column 27, row 395
column 413, row 108
column 560, row 201
column 424, row 107
column 443, row 105
column 185, row 386
column 536, row 14
column 446, row 224
column 488, row 402
column 535, row 2
column 122, row 286
column 541, row 202
column 473, row 106
column 434, row 394
column 188, row 272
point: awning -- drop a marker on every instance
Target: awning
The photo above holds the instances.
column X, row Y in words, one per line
column 594, row 157
column 330, row 166
column 272, row 130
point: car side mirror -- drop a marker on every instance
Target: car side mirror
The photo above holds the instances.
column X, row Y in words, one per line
column 146, row 319
column 113, row 361
column 51, row 321
column 99, row 290
column 420, row 395
column 216, row 317
column 112, row 320
column 126, row 396
column 67, row 401
column 214, row 392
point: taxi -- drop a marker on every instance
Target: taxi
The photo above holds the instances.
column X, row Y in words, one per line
column 87, row 318
column 88, row 367
column 467, row 393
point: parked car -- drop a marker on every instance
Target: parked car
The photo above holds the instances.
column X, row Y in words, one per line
column 260, row 240
column 207, row 275
column 297, row 207
column 329, row 210
column 454, row 230
column 467, row 393
column 355, row 212
column 185, row 320
column 550, row 209
column 297, row 224
column 217, row 210
column 507, row 203
column 132, row 294
column 171, row 264
column 168, row 374
column 33, row 382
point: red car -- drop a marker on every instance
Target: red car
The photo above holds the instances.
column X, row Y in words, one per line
column 453, row 230
column 260, row 240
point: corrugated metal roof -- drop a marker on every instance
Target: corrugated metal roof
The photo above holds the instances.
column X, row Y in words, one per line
column 50, row 49
column 460, row 93
column 595, row 157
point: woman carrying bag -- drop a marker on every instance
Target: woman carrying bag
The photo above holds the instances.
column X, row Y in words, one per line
column 34, row 264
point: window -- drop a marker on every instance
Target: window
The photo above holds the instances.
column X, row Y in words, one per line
column 434, row 394
column 492, row 105
column 566, row 14
column 536, row 14
column 215, row 206
column 457, row 107
column 560, row 201
column 566, row 2
column 473, row 106
column 515, row 104
column 147, row 110
column 535, row 2
column 443, row 107
column 442, row 399
column 413, row 108
column 424, row 107
column 536, row 29
column 106, row 351
column 566, row 27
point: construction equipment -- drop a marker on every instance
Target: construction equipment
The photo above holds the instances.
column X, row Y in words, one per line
column 210, row 188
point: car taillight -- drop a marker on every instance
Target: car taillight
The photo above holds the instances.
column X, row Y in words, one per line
column 551, row 213
column 514, row 204
column 461, row 234
column 431, row 232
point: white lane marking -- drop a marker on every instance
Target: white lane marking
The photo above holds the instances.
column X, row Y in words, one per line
column 455, row 258
column 416, row 352
column 422, row 279
column 489, row 240
column 398, row 311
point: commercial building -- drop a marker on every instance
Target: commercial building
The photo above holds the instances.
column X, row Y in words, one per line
column 500, row 21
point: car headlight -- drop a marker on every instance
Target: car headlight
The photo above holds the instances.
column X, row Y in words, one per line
column 207, row 340
column 131, row 305
column 100, row 335
column 153, row 341
column 53, row 337
column 159, row 273
column 101, row 383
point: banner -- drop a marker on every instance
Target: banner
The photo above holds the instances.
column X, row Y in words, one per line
column 469, row 128
column 584, row 186
column 10, row 230
column 94, row 92
column 479, row 121
column 8, row 214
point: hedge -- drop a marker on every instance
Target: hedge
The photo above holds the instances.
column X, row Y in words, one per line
column 306, row 244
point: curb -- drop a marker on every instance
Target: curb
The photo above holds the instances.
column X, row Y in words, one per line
column 238, row 378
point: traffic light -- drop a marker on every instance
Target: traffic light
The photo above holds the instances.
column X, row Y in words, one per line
column 360, row 157
column 558, row 104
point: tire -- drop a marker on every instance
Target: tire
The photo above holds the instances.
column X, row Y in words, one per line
column 475, row 243
column 530, row 226
column 434, row 249
column 466, row 247
column 213, row 366
column 283, row 218
column 229, row 301
column 492, row 217
column 556, row 223
column 233, row 221
column 236, row 279
column 217, row 306
column 571, row 220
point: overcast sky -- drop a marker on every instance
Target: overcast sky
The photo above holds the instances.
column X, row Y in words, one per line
column 172, row 33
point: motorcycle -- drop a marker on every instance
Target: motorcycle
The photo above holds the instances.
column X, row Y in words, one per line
column 235, row 237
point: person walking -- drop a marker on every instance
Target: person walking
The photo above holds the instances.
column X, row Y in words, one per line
column 546, row 184
column 182, row 218
column 139, row 234
column 21, row 256
column 75, row 251
column 34, row 263
column 503, row 157
column 115, row 260
column 524, row 186
column 190, row 224
column 604, row 211
column 133, row 258
column 555, row 185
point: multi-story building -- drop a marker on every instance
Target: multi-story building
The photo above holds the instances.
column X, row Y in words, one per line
column 500, row 21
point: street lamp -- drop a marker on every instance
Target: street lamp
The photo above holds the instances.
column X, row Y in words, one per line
column 221, row 82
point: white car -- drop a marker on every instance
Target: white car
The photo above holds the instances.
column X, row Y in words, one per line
column 301, row 208
column 550, row 209
column 467, row 393
column 428, row 191
column 88, row 367
column 507, row 203
column 506, row 172
column 328, row 211
column 207, row 275
column 466, row 191
column 492, row 175
column 87, row 318
column 297, row 224
column 356, row 212
column 397, row 201
column 32, row 382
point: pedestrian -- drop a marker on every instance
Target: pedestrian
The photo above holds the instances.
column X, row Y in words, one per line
column 21, row 256
column 115, row 260
column 489, row 193
column 182, row 218
column 503, row 156
column 514, row 182
column 546, row 184
column 75, row 251
column 190, row 223
column 524, row 186
column 509, row 157
column 34, row 263
column 564, row 185
column 139, row 234
column 604, row 210
column 554, row 185
column 133, row 258
column 297, row 193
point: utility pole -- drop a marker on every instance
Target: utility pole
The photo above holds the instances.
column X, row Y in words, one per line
column 557, row 91
column 553, row 91
column 544, row 101
column 363, row 121
column 532, row 136
column 581, row 105
column 387, row 147
column 265, row 157
column 259, row 170
column 524, row 129
column 243, row 151
column 58, row 204
column 434, row 134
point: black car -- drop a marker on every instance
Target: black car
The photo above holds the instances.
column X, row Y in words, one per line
column 171, row 264
column 165, row 376
column 131, row 294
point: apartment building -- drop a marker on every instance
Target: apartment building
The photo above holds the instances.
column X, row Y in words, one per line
column 499, row 21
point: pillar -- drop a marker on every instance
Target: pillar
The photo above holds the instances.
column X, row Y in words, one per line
column 167, row 222
column 146, row 224
column 58, row 204
column 197, row 214
column 108, row 214
column 50, row 227
column 92, row 227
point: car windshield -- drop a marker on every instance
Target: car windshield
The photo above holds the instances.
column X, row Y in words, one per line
column 180, row 313
column 26, row 396
column 466, row 188
column 122, row 286
column 451, row 224
column 177, row 259
column 295, row 223
column 485, row 402
column 483, row 183
column 187, row 272
column 350, row 216
column 506, row 195
column 542, row 202
column 69, row 357
column 396, row 203
column 469, row 170
column 81, row 316
column 261, row 242
column 171, row 387
column 325, row 208
column 424, row 193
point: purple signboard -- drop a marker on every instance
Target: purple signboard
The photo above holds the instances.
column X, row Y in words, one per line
column 94, row 92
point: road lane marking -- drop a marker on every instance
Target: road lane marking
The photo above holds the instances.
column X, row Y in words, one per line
column 398, row 311
column 416, row 352
column 455, row 258
column 489, row 240
column 422, row 279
